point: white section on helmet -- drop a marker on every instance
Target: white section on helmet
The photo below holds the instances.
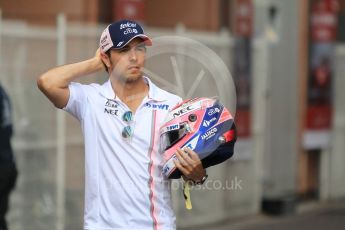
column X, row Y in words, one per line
column 169, row 166
column 184, row 109
column 192, row 143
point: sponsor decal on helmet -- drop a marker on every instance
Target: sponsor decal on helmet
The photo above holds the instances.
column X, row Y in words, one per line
column 206, row 123
column 169, row 166
column 183, row 111
column 213, row 111
column 192, row 143
column 210, row 133
column 170, row 128
column 173, row 127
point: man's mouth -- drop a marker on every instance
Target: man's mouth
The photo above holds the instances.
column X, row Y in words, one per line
column 134, row 68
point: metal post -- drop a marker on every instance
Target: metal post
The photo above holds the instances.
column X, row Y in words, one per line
column 259, row 110
column 179, row 69
column 60, row 128
column 336, row 157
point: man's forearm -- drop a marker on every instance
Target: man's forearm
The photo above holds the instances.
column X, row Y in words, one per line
column 54, row 83
column 60, row 77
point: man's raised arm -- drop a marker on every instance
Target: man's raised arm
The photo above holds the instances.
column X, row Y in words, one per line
column 54, row 83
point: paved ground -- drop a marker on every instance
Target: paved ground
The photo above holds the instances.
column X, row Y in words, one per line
column 312, row 217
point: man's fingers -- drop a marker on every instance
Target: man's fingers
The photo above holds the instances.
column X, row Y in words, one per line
column 192, row 154
column 180, row 167
column 185, row 156
column 180, row 159
column 188, row 162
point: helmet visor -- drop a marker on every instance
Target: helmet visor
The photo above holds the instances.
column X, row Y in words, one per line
column 171, row 137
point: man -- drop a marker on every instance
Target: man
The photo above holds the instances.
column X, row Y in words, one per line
column 8, row 170
column 124, row 186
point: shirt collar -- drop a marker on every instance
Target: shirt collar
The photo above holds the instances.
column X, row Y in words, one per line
column 155, row 93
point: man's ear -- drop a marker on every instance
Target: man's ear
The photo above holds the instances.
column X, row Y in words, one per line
column 105, row 59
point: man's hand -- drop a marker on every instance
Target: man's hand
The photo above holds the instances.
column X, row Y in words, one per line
column 190, row 165
column 98, row 58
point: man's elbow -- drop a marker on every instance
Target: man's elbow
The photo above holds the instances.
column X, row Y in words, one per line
column 58, row 96
column 43, row 83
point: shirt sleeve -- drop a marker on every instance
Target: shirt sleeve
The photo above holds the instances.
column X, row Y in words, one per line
column 77, row 101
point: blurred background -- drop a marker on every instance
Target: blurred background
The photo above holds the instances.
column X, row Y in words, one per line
column 287, row 60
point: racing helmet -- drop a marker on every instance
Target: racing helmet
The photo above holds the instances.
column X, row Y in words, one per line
column 201, row 124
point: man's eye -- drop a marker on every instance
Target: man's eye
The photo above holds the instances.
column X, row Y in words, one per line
column 124, row 50
column 141, row 48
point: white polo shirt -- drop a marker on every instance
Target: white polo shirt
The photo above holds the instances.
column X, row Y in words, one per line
column 124, row 185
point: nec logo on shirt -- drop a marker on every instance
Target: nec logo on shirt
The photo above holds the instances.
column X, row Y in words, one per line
column 157, row 106
column 110, row 107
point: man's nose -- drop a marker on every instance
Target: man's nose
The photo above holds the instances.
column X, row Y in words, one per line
column 132, row 55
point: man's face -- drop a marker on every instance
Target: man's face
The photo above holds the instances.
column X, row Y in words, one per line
column 126, row 63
